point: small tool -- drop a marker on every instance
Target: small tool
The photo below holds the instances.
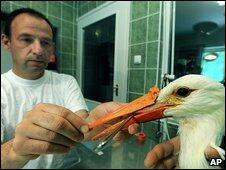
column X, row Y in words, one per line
column 98, row 149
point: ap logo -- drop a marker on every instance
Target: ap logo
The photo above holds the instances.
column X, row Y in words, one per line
column 215, row 162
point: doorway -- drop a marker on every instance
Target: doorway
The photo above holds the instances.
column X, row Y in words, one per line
column 98, row 60
column 103, row 39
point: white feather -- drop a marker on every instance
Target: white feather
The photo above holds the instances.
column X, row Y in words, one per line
column 201, row 118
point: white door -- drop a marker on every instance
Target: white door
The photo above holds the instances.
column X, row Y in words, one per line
column 107, row 29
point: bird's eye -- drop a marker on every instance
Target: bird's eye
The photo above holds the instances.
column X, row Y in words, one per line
column 183, row 92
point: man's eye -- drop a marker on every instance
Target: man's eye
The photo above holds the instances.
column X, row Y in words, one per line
column 27, row 40
column 45, row 43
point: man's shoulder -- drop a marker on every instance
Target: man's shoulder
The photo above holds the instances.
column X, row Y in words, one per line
column 4, row 76
column 60, row 76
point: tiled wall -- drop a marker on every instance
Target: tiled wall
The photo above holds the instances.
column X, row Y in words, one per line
column 86, row 6
column 144, row 41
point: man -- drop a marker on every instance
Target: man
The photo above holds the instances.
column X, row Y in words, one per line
column 41, row 111
column 37, row 106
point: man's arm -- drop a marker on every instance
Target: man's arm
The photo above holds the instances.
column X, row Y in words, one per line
column 10, row 160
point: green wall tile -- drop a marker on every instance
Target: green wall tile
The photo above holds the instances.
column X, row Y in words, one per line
column 65, row 71
column 70, row 3
column 66, row 45
column 75, row 13
column 139, row 9
column 92, row 5
column 139, row 31
column 5, row 6
column 66, row 60
column 152, row 55
column 55, row 9
column 67, row 29
column 150, row 79
column 40, row 6
column 75, row 74
column 74, row 62
column 22, row 3
column 84, row 9
column 136, row 81
column 160, row 56
column 153, row 27
column 154, row 6
column 100, row 2
column 59, row 41
column 56, row 22
column 14, row 7
column 75, row 46
column 67, row 13
column 75, row 31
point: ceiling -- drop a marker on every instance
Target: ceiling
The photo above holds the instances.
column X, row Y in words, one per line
column 189, row 13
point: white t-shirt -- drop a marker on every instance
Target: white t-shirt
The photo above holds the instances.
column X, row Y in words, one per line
column 19, row 95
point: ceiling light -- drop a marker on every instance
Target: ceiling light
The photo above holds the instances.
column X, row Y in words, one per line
column 210, row 56
column 205, row 28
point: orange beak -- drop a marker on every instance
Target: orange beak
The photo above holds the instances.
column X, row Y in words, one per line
column 126, row 110
column 142, row 109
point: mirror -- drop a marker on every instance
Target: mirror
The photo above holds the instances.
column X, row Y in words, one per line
column 199, row 32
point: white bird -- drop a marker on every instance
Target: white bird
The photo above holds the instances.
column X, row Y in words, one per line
column 201, row 115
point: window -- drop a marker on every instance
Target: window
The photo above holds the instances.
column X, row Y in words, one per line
column 214, row 68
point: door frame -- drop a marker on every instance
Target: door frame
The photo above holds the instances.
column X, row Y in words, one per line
column 121, row 9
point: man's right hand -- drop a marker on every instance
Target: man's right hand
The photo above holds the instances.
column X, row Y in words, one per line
column 47, row 129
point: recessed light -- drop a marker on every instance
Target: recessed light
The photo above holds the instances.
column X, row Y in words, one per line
column 205, row 28
column 210, row 56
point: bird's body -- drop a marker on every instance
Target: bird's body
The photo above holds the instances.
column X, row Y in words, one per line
column 201, row 117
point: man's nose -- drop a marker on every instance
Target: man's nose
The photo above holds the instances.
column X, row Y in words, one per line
column 37, row 47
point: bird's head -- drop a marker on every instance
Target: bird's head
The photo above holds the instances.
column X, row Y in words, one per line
column 192, row 95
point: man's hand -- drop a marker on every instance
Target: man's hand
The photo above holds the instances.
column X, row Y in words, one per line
column 101, row 110
column 47, row 129
column 165, row 155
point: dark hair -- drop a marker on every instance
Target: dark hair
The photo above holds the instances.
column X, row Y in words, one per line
column 17, row 12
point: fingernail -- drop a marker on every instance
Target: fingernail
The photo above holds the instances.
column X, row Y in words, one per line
column 84, row 129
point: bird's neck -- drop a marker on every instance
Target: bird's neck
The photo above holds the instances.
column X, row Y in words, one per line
column 195, row 135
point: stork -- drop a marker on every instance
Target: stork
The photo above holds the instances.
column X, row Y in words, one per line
column 199, row 109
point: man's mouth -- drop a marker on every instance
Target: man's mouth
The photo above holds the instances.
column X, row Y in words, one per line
column 41, row 61
column 36, row 62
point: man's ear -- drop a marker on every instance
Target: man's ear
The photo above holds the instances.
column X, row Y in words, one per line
column 5, row 42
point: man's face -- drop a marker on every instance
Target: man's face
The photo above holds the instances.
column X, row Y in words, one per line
column 30, row 44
